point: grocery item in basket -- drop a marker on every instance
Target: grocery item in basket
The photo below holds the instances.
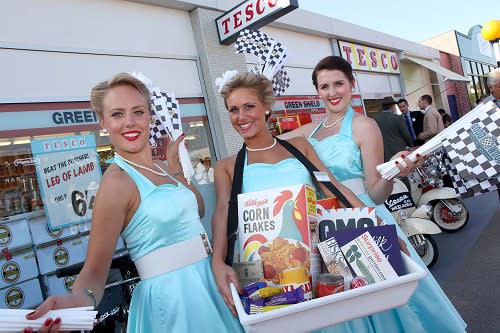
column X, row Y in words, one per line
column 281, row 255
column 358, row 282
column 334, row 258
column 259, row 309
column 289, row 297
column 249, row 272
column 329, row 284
column 367, row 260
column 386, row 238
column 274, row 225
column 294, row 278
column 265, row 292
column 247, row 302
column 249, row 289
column 335, row 219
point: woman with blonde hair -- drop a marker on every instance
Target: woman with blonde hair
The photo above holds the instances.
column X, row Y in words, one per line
column 150, row 204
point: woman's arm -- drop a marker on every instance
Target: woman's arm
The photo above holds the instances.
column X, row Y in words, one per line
column 223, row 273
column 303, row 131
column 175, row 168
column 112, row 207
column 369, row 139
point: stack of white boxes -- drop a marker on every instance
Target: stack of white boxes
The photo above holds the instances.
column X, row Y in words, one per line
column 31, row 254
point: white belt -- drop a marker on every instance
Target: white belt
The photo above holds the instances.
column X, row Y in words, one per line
column 356, row 185
column 172, row 257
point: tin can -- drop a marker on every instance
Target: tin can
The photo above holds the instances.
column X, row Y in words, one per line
column 329, row 284
column 358, row 282
column 297, row 277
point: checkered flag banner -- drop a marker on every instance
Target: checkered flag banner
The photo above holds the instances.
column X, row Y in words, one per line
column 166, row 121
column 471, row 142
column 271, row 55
column 474, row 150
column 472, row 187
column 254, row 42
column 281, row 82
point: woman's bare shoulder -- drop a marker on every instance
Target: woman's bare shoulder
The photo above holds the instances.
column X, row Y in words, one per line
column 116, row 181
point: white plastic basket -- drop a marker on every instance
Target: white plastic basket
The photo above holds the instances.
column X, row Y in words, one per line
column 334, row 309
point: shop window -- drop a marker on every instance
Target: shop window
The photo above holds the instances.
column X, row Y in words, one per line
column 19, row 191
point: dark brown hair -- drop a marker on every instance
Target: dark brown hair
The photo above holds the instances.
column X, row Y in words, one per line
column 333, row 63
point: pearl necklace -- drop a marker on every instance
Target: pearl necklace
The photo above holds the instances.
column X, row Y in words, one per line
column 265, row 148
column 163, row 173
column 334, row 123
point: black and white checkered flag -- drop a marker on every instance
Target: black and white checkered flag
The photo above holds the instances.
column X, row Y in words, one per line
column 254, row 42
column 165, row 113
column 271, row 54
column 472, row 187
column 281, row 82
column 475, row 150
column 166, row 121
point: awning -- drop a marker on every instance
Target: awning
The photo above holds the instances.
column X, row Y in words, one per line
column 449, row 75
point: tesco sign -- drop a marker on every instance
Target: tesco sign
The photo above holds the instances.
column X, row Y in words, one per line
column 368, row 58
column 250, row 14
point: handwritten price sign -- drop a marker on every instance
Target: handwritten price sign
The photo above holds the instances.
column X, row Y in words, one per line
column 69, row 174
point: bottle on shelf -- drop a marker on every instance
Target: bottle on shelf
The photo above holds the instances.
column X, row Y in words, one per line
column 36, row 200
column 25, row 196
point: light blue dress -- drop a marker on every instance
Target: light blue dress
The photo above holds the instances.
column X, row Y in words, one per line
column 262, row 176
column 183, row 300
column 342, row 157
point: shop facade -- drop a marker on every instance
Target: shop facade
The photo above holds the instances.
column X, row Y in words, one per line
column 476, row 57
column 49, row 65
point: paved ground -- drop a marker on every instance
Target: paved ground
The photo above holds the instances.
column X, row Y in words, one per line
column 468, row 268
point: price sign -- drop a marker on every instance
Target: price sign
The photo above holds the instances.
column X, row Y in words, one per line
column 69, row 175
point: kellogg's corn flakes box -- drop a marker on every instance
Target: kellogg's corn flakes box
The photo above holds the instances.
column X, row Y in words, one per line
column 275, row 226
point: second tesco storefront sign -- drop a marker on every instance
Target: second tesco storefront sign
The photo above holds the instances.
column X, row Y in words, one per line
column 368, row 58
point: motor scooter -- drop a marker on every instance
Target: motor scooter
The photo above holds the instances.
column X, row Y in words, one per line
column 441, row 203
column 421, row 199
column 415, row 223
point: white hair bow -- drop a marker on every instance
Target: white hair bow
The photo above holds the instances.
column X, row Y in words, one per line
column 221, row 81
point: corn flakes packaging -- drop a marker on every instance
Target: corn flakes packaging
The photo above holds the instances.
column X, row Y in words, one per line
column 275, row 226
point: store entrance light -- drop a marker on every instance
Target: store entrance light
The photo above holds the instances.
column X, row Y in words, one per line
column 22, row 141
column 5, row 143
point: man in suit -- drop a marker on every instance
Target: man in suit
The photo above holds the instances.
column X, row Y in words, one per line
column 414, row 121
column 433, row 122
column 394, row 131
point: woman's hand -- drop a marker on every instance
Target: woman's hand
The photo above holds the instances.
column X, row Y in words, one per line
column 224, row 275
column 51, row 325
column 173, row 151
column 407, row 166
column 403, row 247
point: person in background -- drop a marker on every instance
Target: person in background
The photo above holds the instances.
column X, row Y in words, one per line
column 351, row 149
column 414, row 120
column 207, row 161
column 446, row 118
column 395, row 134
column 433, row 123
column 201, row 172
column 493, row 83
column 157, row 212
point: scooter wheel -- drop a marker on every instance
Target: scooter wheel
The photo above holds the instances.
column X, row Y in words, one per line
column 448, row 221
column 429, row 252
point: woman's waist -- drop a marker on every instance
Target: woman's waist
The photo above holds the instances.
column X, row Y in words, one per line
column 164, row 259
column 356, row 185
